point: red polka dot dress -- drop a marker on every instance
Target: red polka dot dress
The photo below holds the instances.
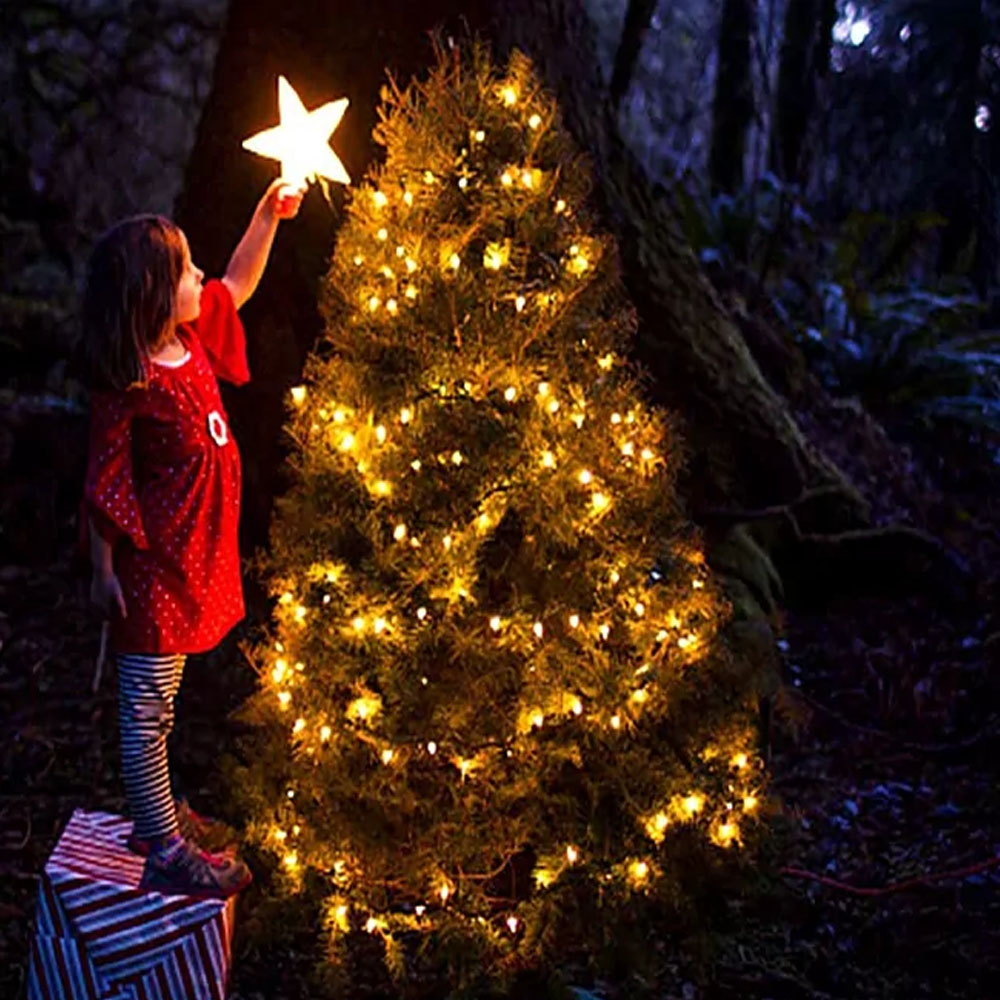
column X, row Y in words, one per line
column 163, row 486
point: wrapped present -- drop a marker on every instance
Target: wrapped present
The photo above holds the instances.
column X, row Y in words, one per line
column 100, row 937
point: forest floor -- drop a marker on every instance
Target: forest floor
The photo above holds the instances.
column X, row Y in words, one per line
column 885, row 759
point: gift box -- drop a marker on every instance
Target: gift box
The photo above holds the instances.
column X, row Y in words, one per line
column 99, row 936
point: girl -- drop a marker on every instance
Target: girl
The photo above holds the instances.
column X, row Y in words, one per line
column 161, row 500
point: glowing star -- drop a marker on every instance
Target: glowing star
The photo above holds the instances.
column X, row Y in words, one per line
column 301, row 141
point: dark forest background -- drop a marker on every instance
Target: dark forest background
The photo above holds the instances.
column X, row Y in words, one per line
column 805, row 194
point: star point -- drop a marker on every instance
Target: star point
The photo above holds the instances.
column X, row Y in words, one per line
column 301, row 140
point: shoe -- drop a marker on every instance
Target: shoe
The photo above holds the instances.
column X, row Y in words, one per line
column 211, row 834
column 188, row 871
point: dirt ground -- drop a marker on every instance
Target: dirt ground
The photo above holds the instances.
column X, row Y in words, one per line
column 881, row 881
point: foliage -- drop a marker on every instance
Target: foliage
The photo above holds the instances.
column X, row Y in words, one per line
column 908, row 350
column 486, row 726
column 862, row 300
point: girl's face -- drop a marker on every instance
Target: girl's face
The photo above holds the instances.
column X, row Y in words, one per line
column 187, row 301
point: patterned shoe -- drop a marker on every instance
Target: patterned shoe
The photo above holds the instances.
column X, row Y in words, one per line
column 210, row 834
column 188, row 871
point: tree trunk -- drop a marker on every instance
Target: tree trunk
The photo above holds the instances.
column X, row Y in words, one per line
column 957, row 196
column 745, row 447
column 733, row 107
column 637, row 18
column 341, row 51
column 794, row 100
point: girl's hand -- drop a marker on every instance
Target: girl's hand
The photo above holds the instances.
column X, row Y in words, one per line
column 106, row 593
column 283, row 199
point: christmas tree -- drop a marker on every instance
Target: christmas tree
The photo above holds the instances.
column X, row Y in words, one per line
column 493, row 685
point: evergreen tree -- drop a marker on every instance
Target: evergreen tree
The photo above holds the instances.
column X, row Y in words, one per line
column 494, row 686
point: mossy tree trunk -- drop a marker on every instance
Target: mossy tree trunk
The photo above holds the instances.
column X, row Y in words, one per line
column 745, row 447
column 733, row 106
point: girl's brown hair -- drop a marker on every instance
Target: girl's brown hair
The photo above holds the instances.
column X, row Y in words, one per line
column 128, row 298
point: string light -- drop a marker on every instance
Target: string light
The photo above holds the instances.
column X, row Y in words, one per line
column 534, row 121
column 693, row 803
column 298, row 394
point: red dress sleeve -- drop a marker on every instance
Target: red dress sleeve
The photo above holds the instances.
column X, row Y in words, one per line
column 109, row 496
column 221, row 333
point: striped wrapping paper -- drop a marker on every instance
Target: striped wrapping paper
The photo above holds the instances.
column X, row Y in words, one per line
column 99, row 937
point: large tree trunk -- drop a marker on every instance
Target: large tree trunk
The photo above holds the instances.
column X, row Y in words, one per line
column 796, row 88
column 327, row 51
column 733, row 106
column 745, row 446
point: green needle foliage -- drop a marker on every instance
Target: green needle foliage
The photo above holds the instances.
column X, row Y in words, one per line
column 493, row 698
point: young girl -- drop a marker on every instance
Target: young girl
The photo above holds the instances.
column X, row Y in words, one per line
column 161, row 501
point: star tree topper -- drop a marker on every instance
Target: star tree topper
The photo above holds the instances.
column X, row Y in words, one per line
column 301, row 141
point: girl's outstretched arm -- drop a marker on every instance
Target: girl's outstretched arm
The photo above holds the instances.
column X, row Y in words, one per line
column 250, row 256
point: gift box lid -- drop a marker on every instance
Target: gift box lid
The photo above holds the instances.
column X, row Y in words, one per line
column 95, row 899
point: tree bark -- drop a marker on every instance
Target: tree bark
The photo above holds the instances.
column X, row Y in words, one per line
column 794, row 101
column 958, row 194
column 733, row 106
column 745, row 447
column 637, row 18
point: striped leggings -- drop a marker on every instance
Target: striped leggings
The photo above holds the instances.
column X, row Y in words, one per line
column 147, row 684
